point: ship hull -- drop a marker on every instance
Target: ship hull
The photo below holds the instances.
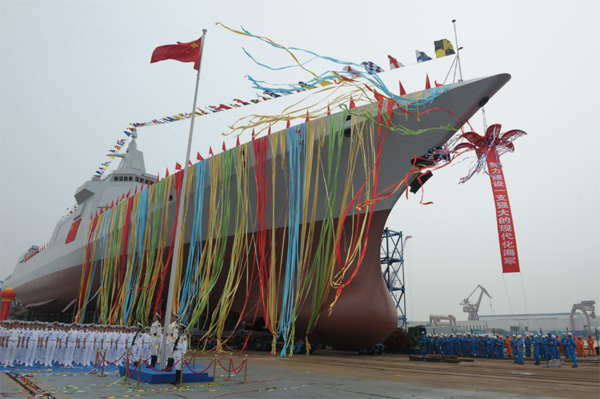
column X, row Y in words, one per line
column 364, row 312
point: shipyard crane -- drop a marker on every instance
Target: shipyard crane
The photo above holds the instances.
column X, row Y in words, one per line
column 585, row 307
column 473, row 308
column 442, row 320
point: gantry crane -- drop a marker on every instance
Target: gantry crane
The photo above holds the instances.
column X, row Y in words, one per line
column 473, row 308
column 585, row 307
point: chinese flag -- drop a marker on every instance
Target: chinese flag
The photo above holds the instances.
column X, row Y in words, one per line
column 184, row 52
column 73, row 231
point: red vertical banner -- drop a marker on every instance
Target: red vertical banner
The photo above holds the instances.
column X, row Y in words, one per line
column 506, row 229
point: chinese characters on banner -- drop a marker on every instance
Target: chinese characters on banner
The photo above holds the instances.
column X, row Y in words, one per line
column 506, row 230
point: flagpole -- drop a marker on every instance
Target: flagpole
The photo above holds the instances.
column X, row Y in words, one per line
column 457, row 51
column 178, row 230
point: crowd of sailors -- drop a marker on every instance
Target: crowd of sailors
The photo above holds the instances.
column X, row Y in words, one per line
column 538, row 346
column 25, row 343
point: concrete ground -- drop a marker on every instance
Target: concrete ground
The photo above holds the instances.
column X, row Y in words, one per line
column 325, row 374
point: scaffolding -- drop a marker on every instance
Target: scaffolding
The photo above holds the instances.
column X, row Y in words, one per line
column 392, row 264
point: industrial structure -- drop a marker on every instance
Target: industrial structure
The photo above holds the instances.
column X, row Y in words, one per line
column 392, row 262
column 442, row 320
column 473, row 308
column 585, row 307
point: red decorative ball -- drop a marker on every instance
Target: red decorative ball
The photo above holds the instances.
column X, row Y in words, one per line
column 8, row 293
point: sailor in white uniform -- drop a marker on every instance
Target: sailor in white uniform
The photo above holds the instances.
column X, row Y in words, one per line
column 179, row 351
column 155, row 339
column 135, row 345
column 171, row 337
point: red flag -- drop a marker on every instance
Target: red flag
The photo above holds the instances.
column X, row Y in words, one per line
column 506, row 228
column 129, row 192
column 352, row 105
column 158, row 177
column 135, row 192
column 307, row 117
column 402, row 91
column 210, row 151
column 199, row 157
column 394, row 62
column 253, row 134
column 269, row 129
column 328, row 110
column 167, row 174
column 427, row 83
column 177, row 166
column 224, row 148
column 184, row 52
column 237, row 142
column 288, row 124
column 189, row 162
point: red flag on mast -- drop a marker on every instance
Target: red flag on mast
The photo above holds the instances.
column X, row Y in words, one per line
column 184, row 52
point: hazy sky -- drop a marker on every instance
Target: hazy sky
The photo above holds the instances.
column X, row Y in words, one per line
column 74, row 74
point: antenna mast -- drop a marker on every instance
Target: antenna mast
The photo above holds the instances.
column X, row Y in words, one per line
column 458, row 48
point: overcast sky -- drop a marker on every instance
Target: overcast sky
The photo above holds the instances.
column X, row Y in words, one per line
column 74, row 74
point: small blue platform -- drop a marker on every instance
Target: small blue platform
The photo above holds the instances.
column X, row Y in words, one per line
column 151, row 376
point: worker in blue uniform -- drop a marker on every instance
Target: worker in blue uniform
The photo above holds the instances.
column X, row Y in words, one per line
column 520, row 350
column 513, row 344
column 423, row 343
column 564, row 343
column 535, row 346
column 500, row 346
column 457, row 339
column 470, row 345
column 550, row 346
column 527, row 342
column 571, row 346
column 542, row 346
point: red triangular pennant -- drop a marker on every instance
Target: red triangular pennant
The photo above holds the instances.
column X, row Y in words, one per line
column 269, row 129
column 352, row 105
column 328, row 110
column 307, row 117
column 237, row 142
column 402, row 91
column 189, row 162
column 224, row 148
column 210, row 151
column 167, row 174
column 288, row 124
column 427, row 83
column 177, row 166
column 199, row 157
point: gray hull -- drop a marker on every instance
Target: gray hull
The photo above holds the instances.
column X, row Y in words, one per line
column 49, row 281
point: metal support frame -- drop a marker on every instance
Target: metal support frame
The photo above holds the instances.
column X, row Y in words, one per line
column 392, row 263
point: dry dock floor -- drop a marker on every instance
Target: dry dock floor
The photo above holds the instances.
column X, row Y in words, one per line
column 329, row 374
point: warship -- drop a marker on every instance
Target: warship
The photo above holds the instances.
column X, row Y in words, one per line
column 49, row 279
